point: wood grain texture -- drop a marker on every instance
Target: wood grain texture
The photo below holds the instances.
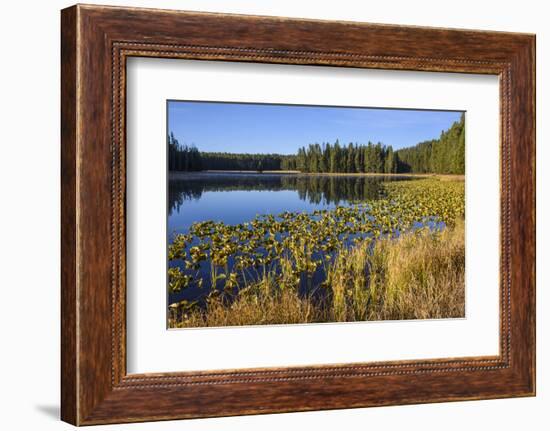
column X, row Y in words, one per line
column 96, row 41
column 69, row 397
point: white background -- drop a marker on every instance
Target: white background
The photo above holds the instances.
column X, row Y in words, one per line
column 29, row 225
column 151, row 348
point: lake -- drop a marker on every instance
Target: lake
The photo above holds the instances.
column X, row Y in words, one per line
column 235, row 198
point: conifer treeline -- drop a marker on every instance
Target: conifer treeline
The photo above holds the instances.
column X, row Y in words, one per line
column 442, row 156
column 188, row 158
column 242, row 162
column 183, row 157
column 353, row 158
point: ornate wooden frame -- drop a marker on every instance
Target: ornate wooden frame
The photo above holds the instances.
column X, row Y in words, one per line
column 95, row 43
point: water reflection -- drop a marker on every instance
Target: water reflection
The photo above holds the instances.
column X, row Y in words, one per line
column 234, row 198
column 313, row 189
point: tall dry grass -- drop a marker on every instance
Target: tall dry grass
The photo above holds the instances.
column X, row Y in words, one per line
column 419, row 275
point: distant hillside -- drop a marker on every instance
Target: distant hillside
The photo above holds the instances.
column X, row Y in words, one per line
column 442, row 156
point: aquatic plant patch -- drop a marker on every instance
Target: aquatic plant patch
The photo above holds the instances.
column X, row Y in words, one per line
column 300, row 255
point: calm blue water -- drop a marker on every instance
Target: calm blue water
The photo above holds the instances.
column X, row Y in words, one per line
column 235, row 198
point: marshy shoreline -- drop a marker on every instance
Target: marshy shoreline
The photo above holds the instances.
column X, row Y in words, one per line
column 417, row 276
column 395, row 269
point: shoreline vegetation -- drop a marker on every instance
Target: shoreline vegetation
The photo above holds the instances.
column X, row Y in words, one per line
column 401, row 256
column 186, row 174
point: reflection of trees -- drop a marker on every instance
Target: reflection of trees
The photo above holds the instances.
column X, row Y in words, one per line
column 311, row 188
column 333, row 190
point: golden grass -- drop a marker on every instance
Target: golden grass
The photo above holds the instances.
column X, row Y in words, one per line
column 285, row 307
column 419, row 275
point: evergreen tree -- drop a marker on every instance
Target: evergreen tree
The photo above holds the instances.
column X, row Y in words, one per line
column 350, row 158
column 390, row 161
column 335, row 158
column 323, row 161
column 358, row 160
column 445, row 155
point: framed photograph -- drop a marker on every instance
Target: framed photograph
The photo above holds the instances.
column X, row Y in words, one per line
column 264, row 214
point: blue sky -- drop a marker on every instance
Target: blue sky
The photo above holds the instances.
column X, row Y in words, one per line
column 264, row 128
